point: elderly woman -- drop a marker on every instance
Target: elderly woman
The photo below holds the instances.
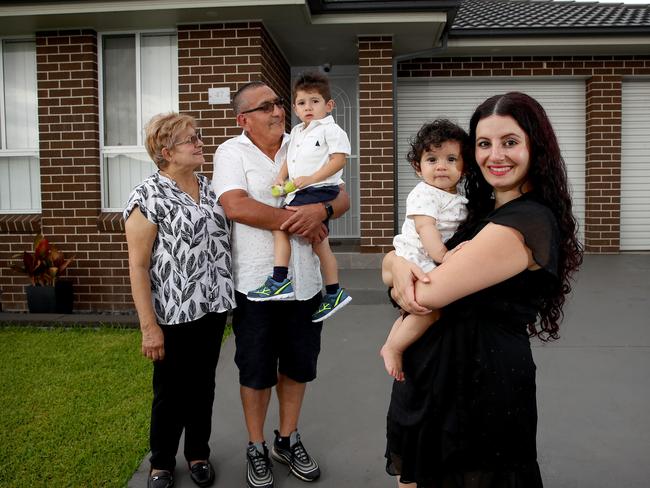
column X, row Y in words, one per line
column 179, row 258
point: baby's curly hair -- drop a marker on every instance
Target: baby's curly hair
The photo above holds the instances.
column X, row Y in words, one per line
column 434, row 134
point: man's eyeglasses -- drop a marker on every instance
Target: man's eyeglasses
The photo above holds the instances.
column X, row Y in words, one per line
column 266, row 107
column 194, row 140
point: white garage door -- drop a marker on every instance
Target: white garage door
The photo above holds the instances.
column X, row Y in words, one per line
column 635, row 166
column 423, row 100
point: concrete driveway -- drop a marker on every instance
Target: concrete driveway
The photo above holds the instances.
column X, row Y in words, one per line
column 593, row 391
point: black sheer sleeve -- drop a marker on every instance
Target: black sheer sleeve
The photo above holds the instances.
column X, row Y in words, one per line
column 537, row 224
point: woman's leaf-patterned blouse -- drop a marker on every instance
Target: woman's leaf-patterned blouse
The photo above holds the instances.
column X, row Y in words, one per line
column 190, row 271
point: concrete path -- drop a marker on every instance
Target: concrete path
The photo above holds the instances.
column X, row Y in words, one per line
column 593, row 391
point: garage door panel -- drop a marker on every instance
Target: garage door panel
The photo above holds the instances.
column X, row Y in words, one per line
column 635, row 156
column 635, row 166
column 637, row 216
column 423, row 100
column 633, row 188
column 637, row 192
column 637, row 243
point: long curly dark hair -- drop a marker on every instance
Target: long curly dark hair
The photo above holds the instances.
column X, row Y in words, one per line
column 547, row 176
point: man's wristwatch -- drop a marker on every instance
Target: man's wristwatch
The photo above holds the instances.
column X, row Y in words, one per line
column 329, row 210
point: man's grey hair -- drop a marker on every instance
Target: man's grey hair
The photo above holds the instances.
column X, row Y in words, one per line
column 238, row 99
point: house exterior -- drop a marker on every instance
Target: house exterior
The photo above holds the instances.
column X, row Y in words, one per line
column 80, row 80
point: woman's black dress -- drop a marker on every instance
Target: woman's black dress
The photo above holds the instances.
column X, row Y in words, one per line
column 466, row 415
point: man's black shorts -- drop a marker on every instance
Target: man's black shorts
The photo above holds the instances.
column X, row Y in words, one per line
column 275, row 336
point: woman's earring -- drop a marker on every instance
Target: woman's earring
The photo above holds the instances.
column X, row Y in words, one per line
column 492, row 195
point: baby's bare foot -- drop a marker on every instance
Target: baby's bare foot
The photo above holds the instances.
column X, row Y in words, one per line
column 392, row 361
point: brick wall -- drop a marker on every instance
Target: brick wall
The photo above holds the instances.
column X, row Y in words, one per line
column 525, row 66
column 276, row 72
column 70, row 169
column 603, row 199
column 16, row 235
column 603, row 78
column 68, row 117
column 224, row 55
column 376, row 152
column 229, row 55
column 213, row 55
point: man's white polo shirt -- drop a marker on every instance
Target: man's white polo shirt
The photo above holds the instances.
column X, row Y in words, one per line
column 240, row 165
column 310, row 148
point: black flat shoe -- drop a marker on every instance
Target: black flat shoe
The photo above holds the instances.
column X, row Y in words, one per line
column 162, row 479
column 202, row 473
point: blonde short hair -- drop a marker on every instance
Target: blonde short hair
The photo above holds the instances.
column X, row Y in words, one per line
column 161, row 132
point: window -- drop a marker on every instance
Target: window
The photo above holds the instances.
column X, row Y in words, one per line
column 20, row 178
column 139, row 79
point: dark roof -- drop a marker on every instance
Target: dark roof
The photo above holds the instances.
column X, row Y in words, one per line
column 356, row 6
column 481, row 17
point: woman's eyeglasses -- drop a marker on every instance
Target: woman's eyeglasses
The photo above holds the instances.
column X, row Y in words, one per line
column 194, row 140
column 266, row 107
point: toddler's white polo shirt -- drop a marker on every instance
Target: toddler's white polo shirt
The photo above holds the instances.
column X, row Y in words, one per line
column 310, row 148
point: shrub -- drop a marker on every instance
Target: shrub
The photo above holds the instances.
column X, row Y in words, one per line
column 44, row 265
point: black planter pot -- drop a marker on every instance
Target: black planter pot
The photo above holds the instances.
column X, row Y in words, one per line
column 50, row 299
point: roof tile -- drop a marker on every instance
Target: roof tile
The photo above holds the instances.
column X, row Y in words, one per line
column 535, row 14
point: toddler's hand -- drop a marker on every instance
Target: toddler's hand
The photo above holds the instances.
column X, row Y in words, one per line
column 453, row 251
column 302, row 181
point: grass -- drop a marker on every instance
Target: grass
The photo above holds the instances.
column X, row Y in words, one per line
column 74, row 406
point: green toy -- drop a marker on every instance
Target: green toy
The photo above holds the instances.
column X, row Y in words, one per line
column 280, row 190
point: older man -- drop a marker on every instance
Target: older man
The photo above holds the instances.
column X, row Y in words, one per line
column 277, row 342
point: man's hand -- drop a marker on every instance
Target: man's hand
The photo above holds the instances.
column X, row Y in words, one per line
column 307, row 222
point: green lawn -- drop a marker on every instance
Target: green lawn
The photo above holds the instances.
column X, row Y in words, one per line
column 74, row 406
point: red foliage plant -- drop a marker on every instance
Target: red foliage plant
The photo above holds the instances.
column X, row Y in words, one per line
column 44, row 265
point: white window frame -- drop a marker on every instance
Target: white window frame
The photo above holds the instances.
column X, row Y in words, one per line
column 3, row 133
column 139, row 147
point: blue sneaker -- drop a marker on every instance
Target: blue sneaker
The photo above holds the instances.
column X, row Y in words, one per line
column 272, row 290
column 330, row 304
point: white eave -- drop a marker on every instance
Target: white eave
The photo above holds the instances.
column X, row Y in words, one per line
column 549, row 45
column 86, row 7
column 380, row 18
column 305, row 39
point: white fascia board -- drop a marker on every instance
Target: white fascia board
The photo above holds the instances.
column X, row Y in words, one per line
column 380, row 18
column 108, row 6
column 573, row 41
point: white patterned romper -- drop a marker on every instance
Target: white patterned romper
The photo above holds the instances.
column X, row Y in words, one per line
column 449, row 210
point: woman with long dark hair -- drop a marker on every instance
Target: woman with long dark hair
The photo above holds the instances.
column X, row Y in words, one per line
column 466, row 414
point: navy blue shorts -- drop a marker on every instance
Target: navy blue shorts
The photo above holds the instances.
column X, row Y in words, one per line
column 275, row 337
column 314, row 194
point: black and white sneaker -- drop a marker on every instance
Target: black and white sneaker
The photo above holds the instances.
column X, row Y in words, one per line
column 258, row 467
column 301, row 464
